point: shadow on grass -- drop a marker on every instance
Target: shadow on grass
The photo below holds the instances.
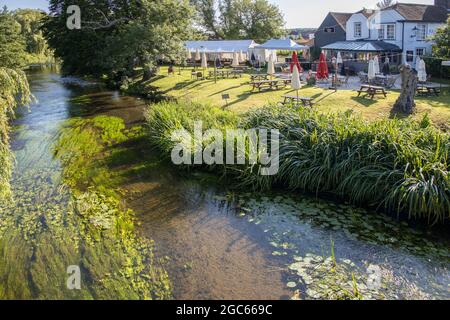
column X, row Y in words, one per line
column 366, row 102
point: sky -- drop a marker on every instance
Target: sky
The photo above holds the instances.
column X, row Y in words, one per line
column 297, row 13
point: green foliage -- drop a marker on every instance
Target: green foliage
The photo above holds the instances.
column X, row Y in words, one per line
column 397, row 165
column 14, row 91
column 31, row 21
column 165, row 117
column 240, row 19
column 12, row 43
column 118, row 36
column 441, row 48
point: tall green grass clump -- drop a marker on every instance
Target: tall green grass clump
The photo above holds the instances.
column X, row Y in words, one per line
column 399, row 166
column 166, row 117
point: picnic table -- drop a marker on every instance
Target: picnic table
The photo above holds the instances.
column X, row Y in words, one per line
column 371, row 91
column 294, row 100
column 428, row 89
column 259, row 77
column 225, row 74
column 270, row 84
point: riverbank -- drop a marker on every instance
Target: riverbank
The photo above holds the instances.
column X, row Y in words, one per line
column 182, row 87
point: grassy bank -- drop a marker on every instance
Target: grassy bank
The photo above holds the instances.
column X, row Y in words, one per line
column 399, row 166
column 184, row 88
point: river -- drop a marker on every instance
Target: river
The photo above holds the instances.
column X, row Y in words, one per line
column 222, row 244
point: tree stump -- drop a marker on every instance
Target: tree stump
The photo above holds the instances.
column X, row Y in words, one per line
column 405, row 103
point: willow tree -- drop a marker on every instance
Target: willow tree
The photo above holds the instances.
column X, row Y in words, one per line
column 14, row 91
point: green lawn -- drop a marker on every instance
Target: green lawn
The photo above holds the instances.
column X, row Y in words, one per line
column 242, row 99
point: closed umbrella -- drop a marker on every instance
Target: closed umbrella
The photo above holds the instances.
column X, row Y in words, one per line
column 371, row 72
column 422, row 72
column 217, row 62
column 241, row 57
column 189, row 55
column 253, row 58
column 322, row 69
column 295, row 62
column 204, row 64
column 295, row 83
column 235, row 60
column 339, row 58
column 376, row 65
column 271, row 66
column 197, row 55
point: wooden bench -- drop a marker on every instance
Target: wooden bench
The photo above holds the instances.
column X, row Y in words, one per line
column 428, row 90
column 226, row 74
column 270, row 84
column 372, row 91
column 259, row 77
column 295, row 101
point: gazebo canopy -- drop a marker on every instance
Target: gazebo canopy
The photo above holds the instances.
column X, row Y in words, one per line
column 282, row 44
column 221, row 46
column 362, row 46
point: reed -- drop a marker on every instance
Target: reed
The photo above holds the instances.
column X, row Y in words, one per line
column 395, row 165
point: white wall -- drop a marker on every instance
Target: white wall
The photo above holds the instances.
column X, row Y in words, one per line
column 411, row 43
column 357, row 17
column 382, row 19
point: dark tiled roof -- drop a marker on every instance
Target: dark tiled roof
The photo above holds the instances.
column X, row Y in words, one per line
column 420, row 12
column 341, row 18
column 362, row 46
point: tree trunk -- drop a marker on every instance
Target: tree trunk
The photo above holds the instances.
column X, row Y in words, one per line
column 148, row 73
column 405, row 103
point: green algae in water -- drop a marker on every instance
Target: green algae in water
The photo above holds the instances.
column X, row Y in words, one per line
column 53, row 225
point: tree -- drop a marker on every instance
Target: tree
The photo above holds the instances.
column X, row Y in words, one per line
column 30, row 21
column 240, row 19
column 14, row 90
column 117, row 35
column 405, row 102
column 12, row 43
column 441, row 48
column 385, row 4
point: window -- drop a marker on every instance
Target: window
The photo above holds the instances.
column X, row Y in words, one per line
column 409, row 56
column 330, row 30
column 390, row 32
column 421, row 33
column 381, row 32
column 420, row 52
column 358, row 30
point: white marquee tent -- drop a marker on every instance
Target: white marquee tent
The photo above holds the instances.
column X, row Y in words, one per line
column 226, row 48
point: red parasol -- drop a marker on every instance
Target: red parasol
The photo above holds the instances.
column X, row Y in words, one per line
column 322, row 69
column 295, row 62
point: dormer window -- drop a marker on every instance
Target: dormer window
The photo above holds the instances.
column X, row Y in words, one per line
column 421, row 33
column 358, row 30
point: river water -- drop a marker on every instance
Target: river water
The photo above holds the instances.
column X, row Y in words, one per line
column 220, row 244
